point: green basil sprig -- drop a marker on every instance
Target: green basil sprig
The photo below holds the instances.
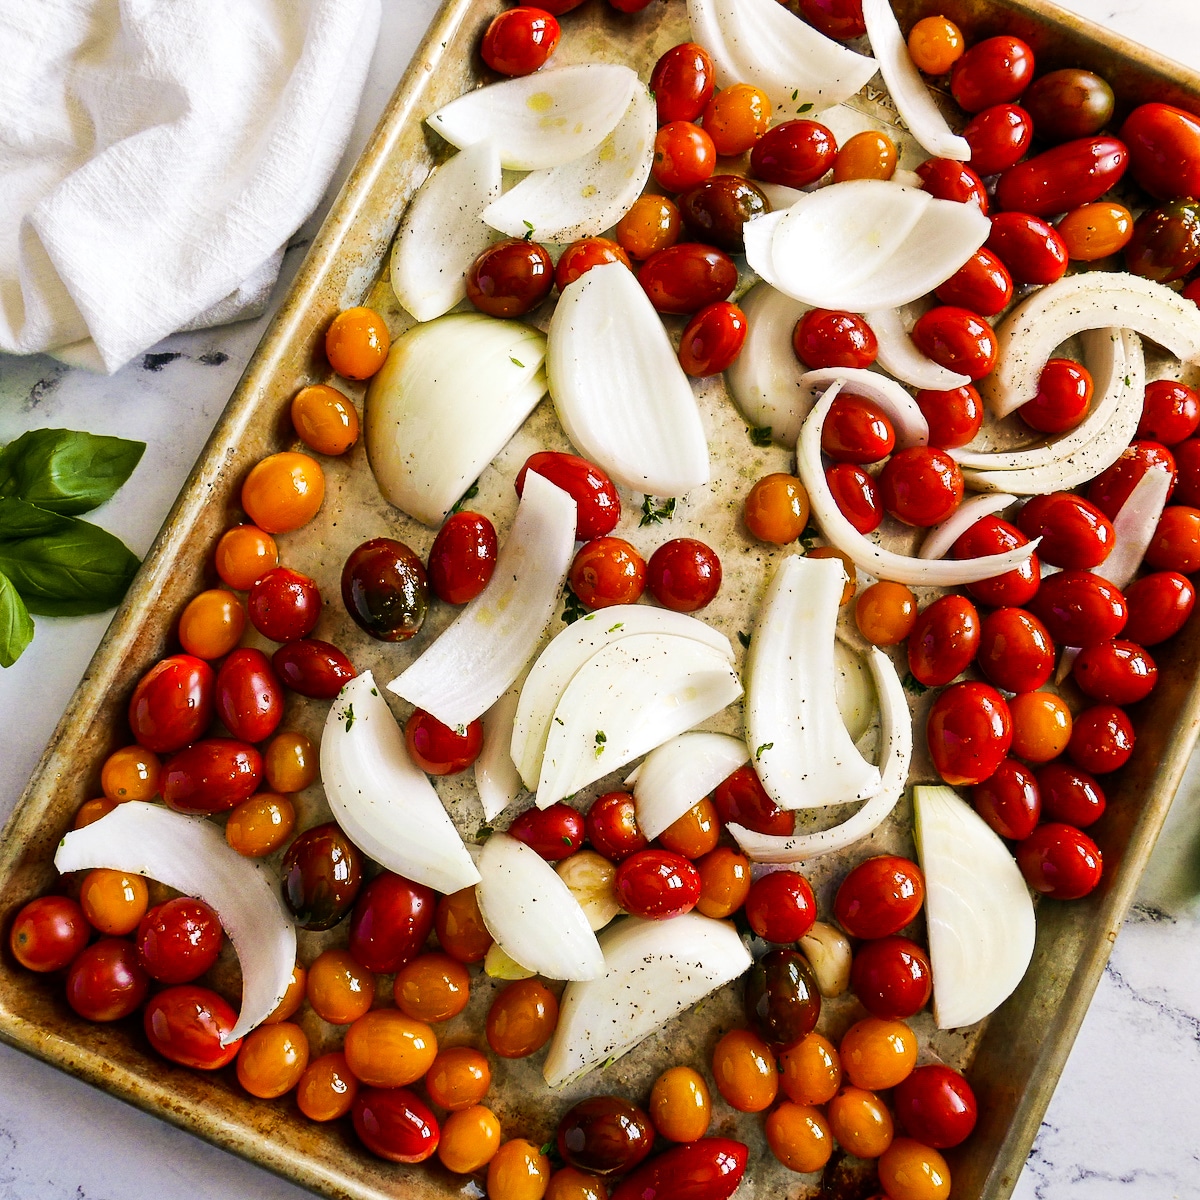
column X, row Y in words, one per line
column 16, row 625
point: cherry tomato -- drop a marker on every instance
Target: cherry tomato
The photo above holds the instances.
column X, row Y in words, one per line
column 460, row 1077
column 1165, row 244
column 321, row 873
column 709, row 1168
column 955, row 416
column 935, row 45
column 312, row 668
column 607, row 571
column 1094, row 231
column 680, row 1105
column 185, row 1025
column 1063, row 397
column 387, row 1048
column 998, row 136
column 810, row 1071
column 682, row 83
column 1158, row 605
column 877, row 1053
column 1064, row 177
column 283, row 492
column 460, row 928
column 1079, row 608
column 243, row 554
column 553, row 832
column 1115, row 672
column 462, row 557
column 172, row 703
column 510, row 278
column 969, row 731
column 909, row 1170
column 290, row 762
column 438, row 749
column 1112, row 487
column 860, row 1121
column 519, row 1170
column 886, row 613
column 713, row 339
column 936, row 1105
column 520, row 40
column 338, row 988
column 1009, row 800
column 1102, row 739
column 629, row 6
column 867, row 155
column 1067, row 104
column 1070, row 795
column 1176, row 542
column 597, row 504
column 921, row 486
column 581, row 256
column 879, row 897
column 1041, row 726
column 105, row 981
column 356, row 344
column 724, row 882
column 432, row 988
column 1032, row 250
column 684, row 155
column 992, row 535
column 841, row 19
column 1075, row 534
column 1015, row 651
column 327, row 1088
column 652, row 224
column 736, row 117
column 657, row 884
column 521, row 1019
column 1170, row 412
column 687, row 277
column 284, row 605
column 825, row 338
column 856, row 494
column 249, row 696
column 211, row 624
column 782, row 1000
column 1060, row 861
column 684, row 575
column 716, row 210
column 781, row 907
column 272, row 1060
column 612, row 828
column 179, row 940
column 741, row 799
column 396, row 1124
column 743, row 1066
column 956, row 339
column 113, row 901
column 1164, row 150
column 48, row 933
column 211, row 775
column 324, row 420
column 259, row 826
column 891, row 977
column 994, row 71
column 391, row 921
column 604, row 1134
column 795, row 153
column 982, row 285
column 948, row 179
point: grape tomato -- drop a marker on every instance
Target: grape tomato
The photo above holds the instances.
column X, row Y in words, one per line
column 879, row 897
column 825, row 338
column 856, row 494
column 716, row 210
column 994, row 71
column 948, row 179
column 520, row 40
column 284, row 605
column 794, row 153
column 461, row 561
column 682, row 83
column 713, row 339
column 687, row 277
column 597, row 503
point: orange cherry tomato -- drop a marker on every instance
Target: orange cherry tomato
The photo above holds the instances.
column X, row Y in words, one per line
column 324, row 419
column 811, row 1071
column 338, row 988
column 777, row 509
column 460, row 1076
column 737, row 117
column 936, row 44
column 799, row 1136
column 272, row 1059
column 1096, row 230
column 386, row 1048
column 886, row 613
column 357, row 343
column 260, row 825
column 861, row 1122
column 910, row 1171
column 745, row 1072
column 522, row 1018
column 652, row 224
column 432, row 987
column 878, row 1054
column 212, row 624
column 694, row 834
column 243, row 554
column 518, row 1171
column 1041, row 726
column 293, row 997
column 607, row 571
column 92, row 810
column 131, row 773
column 284, row 491
column 680, row 1105
column 460, row 927
column 327, row 1088
column 470, row 1139
column 114, row 901
column 289, row 762
column 724, row 882
column 867, row 155
column 581, row 256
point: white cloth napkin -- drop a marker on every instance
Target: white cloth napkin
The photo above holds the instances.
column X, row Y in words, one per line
column 155, row 156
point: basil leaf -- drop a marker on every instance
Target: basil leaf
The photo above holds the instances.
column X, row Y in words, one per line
column 19, row 519
column 66, row 471
column 16, row 625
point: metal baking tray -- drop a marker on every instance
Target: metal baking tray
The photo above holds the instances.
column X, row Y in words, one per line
column 1013, row 1060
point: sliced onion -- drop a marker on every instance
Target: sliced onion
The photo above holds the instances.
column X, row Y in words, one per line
column 561, row 660
column 912, row 429
column 1135, row 525
column 386, row 805
column 941, row 538
column 191, row 855
column 496, row 778
column 629, row 697
column 1095, row 300
column 779, row 194
column 899, row 356
column 479, row 655
column 654, row 970
column 980, row 916
column 893, row 769
column 541, row 120
column 450, row 395
column 618, row 388
column 532, row 914
column 803, row 753
column 853, row 690
column 906, row 87
column 443, row 232
column 588, row 195
column 680, row 773
column 884, row 564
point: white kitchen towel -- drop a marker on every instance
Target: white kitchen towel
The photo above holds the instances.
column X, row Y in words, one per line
column 155, row 155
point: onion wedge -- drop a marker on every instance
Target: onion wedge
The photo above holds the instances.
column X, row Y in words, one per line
column 561, row 660
column 588, row 195
column 386, row 805
column 1135, row 524
column 802, row 750
column 899, row 356
column 532, row 914
column 496, row 778
column 906, row 87
column 618, row 388
column 1096, row 300
column 893, row 770
column 874, row 559
column 629, row 697
column 941, row 538
column 191, row 855
column 479, row 655
column 443, row 232
column 541, row 120
column 912, row 429
column 980, row 916
column 680, row 773
column 853, row 690
column 653, row 971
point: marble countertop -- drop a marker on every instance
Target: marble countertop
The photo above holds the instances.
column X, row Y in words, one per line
column 1123, row 1121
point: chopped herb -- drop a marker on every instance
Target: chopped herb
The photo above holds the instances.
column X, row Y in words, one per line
column 516, row 362
column 914, row 685
column 762, row 749
column 618, row 625
column 572, row 606
column 461, row 730
column 601, row 738
column 1128, row 381
column 744, row 638
column 469, row 494
column 374, row 692
column 608, row 1062
column 528, row 231
column 760, row 435
column 655, row 514
column 547, row 1148
column 796, row 94
column 804, row 107
column 483, row 833
column 566, row 841
column 700, row 1004
column 348, row 716
column 558, row 720
column 809, row 536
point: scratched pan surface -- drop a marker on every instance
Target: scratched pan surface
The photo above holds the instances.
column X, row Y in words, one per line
column 1013, row 1060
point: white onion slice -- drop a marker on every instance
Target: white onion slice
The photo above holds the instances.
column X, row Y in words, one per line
column 191, row 855
column 443, row 232
column 629, row 697
column 874, row 559
column 1135, row 525
column 496, row 777
column 853, row 690
column 480, row 654
column 1095, row 300
column 541, row 120
column 906, row 87
column 618, row 388
column 912, row 429
column 654, row 970
column 588, row 195
column 779, row 194
column 941, row 538
column 897, row 736
column 532, row 914
column 383, row 801
column 445, row 403
column 979, row 914
column 680, row 773
column 802, row 750
column 706, row 32
column 899, row 356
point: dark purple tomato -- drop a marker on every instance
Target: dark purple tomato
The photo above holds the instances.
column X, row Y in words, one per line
column 105, row 981
column 1170, row 412
column 1159, row 604
column 1009, row 800
column 993, row 535
column 1068, row 104
column 462, row 557
column 969, row 731
column 998, row 136
column 684, row 575
column 921, row 485
column 605, row 1135
column 520, row 40
column 1116, row 672
column 944, row 640
column 709, row 1168
column 1031, row 249
column 982, row 285
column 1075, row 534
column 1064, row 177
column 713, row 339
column 385, row 590
column 994, row 71
column 1079, row 608
column 597, row 504
column 510, row 278
column 48, row 933
column 1165, row 245
column 948, row 179
column 856, row 494
column 1063, row 397
column 657, row 884
column 249, row 696
column 1112, row 487
column 313, row 668
column 957, row 339
column 687, row 277
column 284, row 605
column 716, row 210
column 395, row 1123
column 439, row 749
column 553, row 832
column 1102, row 739
column 827, row 338
column 936, row 1105
column 781, row 907
column 172, row 703
column 322, row 874
column 879, row 897
column 741, row 799
column 1060, row 861
column 178, row 940
column 891, row 977
column 1015, row 650
column 392, row 919
column 955, row 415
column 682, row 82
column 185, row 1025
column 1070, row 795
column 211, row 775
column 841, row 19
column 795, row 153
column 782, row 1000
column 1164, row 150
column 612, row 828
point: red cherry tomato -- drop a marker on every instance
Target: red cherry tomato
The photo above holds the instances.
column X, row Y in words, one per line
column 439, row 750
column 657, row 884
column 856, row 495
column 687, row 277
column 713, row 339
column 684, row 575
column 48, row 933
column 553, row 832
column 607, row 571
column 1060, row 861
column 462, row 557
column 827, row 338
column 1031, row 249
column 1116, row 672
column 741, row 799
column 969, row 731
column 1159, row 605
column 891, row 977
column 1075, row 534
column 519, row 41
column 682, row 83
column 1079, row 608
column 841, row 19
column 955, row 416
column 1009, row 800
column 795, row 154
column 179, row 940
column 958, row 339
column 211, row 775
column 781, row 907
column 947, row 179
column 982, row 285
column 1111, row 488
column 936, row 1106
column 395, row 1124
column 391, row 921
column 1063, row 397
column 921, row 486
column 581, row 256
column 1015, row 651
column 284, row 605
column 993, row 535
column 1170, row 413
column 684, row 155
column 998, row 136
column 709, row 1168
column 313, row 668
column 879, row 897
column 629, row 6
column 172, row 703
column 612, row 828
column 1064, row 177
column 1102, row 739
column 1176, row 542
column 994, row 71
column 856, row 430
column 185, row 1024
column 105, row 981
column 944, row 640
column 597, row 504
column 249, row 696
column 1164, row 150
column 510, row 278
column 1070, row 795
